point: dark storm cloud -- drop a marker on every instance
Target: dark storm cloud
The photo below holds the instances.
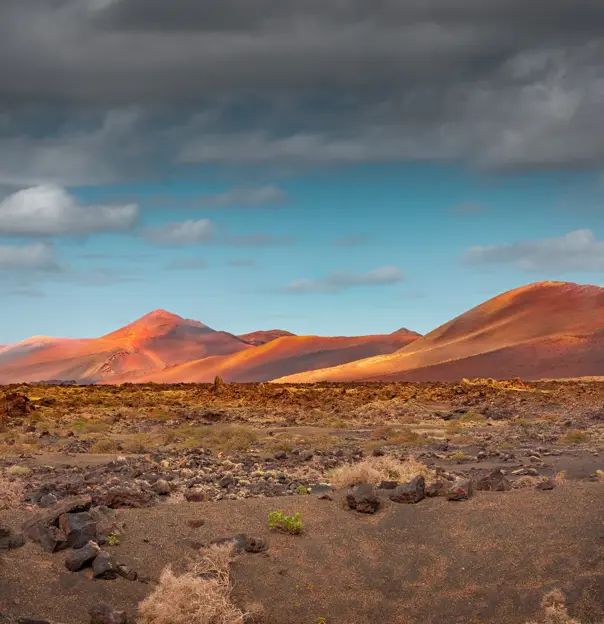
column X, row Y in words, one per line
column 100, row 90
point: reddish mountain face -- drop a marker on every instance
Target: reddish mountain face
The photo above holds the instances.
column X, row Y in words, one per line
column 403, row 331
column 154, row 341
column 547, row 329
column 262, row 337
column 289, row 354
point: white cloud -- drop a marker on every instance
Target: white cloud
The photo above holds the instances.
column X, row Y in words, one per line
column 343, row 280
column 188, row 232
column 579, row 250
column 35, row 256
column 50, row 210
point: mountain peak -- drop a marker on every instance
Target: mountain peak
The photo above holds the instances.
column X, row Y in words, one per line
column 161, row 314
column 403, row 331
column 157, row 323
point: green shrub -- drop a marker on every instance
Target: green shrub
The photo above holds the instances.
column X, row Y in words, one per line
column 302, row 489
column 286, row 524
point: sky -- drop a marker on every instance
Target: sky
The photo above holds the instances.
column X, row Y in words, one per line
column 326, row 167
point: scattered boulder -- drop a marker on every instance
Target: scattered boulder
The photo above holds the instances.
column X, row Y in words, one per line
column 255, row 545
column 495, row 481
column 411, row 492
column 79, row 557
column 122, row 496
column 48, row 500
column 14, row 405
column 26, row 620
column 460, row 490
column 105, row 614
column 226, row 481
column 9, row 539
column 79, row 528
column 438, row 488
column 104, row 566
column 125, row 572
column 195, row 495
column 161, row 487
column 548, row 484
column 364, row 498
column 280, row 455
column 106, row 523
column 195, row 524
column 44, row 528
column 388, row 485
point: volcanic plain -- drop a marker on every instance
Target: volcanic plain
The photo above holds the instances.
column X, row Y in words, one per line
column 418, row 502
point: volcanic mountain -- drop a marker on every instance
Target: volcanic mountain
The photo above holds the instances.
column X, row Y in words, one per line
column 156, row 340
column 285, row 355
column 543, row 330
column 162, row 346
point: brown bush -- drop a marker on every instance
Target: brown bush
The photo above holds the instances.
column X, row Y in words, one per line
column 378, row 469
column 201, row 596
column 11, row 493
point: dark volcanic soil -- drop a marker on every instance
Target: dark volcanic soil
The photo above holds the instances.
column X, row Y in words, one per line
column 489, row 559
column 247, row 449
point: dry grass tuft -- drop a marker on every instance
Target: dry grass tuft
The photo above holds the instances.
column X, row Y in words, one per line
column 11, row 493
column 554, row 609
column 201, row 596
column 378, row 469
column 525, row 482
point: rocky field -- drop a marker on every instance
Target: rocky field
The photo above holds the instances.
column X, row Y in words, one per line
column 344, row 503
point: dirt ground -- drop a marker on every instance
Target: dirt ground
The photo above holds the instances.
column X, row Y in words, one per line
column 251, row 449
column 489, row 559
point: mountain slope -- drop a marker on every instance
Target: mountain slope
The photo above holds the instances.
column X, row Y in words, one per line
column 541, row 330
column 285, row 355
column 263, row 336
column 154, row 341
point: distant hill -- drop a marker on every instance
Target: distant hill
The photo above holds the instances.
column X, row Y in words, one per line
column 162, row 345
column 289, row 354
column 262, row 337
column 543, row 330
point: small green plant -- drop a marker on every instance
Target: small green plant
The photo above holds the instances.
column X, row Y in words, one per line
column 301, row 489
column 113, row 540
column 321, row 620
column 286, row 524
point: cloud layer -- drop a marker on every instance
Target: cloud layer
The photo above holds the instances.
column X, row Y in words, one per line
column 579, row 250
column 502, row 84
column 344, row 280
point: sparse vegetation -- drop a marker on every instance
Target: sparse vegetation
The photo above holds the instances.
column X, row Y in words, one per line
column 20, row 471
column 284, row 523
column 11, row 493
column 574, row 436
column 105, row 445
column 554, row 610
column 200, row 596
column 378, row 469
column 301, row 489
column 218, row 437
column 113, row 540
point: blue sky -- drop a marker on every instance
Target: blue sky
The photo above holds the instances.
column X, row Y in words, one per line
column 419, row 219
column 326, row 168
